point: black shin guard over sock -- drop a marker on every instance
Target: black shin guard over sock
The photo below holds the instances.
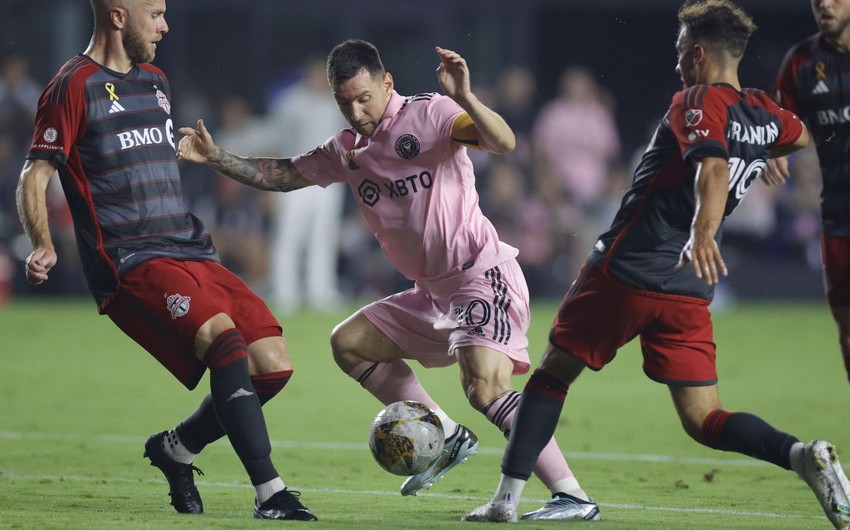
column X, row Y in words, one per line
column 202, row 427
column 237, row 406
column 537, row 416
column 748, row 434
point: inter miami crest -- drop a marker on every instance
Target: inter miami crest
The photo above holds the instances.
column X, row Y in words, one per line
column 407, row 146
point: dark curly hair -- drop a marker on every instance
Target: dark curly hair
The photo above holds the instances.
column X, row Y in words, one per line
column 721, row 23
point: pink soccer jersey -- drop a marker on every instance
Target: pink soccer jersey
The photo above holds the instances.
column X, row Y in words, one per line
column 416, row 188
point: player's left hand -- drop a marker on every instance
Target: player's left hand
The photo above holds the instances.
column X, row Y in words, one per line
column 197, row 145
column 453, row 74
column 704, row 255
column 775, row 172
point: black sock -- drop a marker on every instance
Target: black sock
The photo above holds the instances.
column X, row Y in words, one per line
column 237, row 406
column 536, row 418
column 203, row 428
column 748, row 434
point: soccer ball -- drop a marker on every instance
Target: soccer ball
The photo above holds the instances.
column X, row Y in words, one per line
column 406, row 437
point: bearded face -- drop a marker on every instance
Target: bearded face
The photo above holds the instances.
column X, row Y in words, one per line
column 138, row 48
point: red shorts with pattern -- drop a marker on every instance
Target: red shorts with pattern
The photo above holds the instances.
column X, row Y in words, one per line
column 162, row 303
column 835, row 253
column 599, row 315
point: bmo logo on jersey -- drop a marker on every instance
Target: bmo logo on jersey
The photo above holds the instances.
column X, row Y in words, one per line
column 148, row 136
column 833, row 116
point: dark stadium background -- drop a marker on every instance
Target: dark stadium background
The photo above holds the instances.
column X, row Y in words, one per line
column 248, row 47
column 224, row 46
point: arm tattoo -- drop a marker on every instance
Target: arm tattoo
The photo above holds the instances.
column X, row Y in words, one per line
column 269, row 174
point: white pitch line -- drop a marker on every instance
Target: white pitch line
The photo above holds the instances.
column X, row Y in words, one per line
column 350, row 446
column 620, row 506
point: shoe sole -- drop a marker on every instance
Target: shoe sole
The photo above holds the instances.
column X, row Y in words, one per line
column 427, row 485
column 826, row 459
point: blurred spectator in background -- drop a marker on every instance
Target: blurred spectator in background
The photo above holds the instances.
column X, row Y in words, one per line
column 240, row 217
column 515, row 99
column 19, row 94
column 305, row 235
column 576, row 142
column 522, row 220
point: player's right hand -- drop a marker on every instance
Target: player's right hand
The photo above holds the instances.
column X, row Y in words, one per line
column 197, row 145
column 38, row 264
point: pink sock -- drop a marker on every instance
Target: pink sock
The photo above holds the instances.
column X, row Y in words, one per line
column 551, row 465
column 391, row 382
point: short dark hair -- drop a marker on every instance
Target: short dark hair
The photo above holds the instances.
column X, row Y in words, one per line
column 720, row 22
column 348, row 58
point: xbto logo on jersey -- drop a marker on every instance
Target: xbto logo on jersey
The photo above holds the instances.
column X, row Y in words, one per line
column 407, row 146
column 370, row 192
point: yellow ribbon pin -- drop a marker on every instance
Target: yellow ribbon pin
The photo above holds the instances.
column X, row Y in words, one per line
column 820, row 70
column 111, row 89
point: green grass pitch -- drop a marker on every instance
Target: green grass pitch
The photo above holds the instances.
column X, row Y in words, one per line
column 78, row 399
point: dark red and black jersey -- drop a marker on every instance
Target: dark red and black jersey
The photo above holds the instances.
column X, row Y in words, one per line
column 814, row 82
column 654, row 220
column 113, row 138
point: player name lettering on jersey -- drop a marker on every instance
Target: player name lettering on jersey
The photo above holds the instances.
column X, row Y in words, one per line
column 148, row 136
column 833, row 116
column 753, row 134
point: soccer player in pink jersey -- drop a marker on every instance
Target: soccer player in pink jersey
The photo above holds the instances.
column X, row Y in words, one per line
column 405, row 159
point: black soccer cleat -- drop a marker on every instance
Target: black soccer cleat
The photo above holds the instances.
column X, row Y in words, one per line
column 283, row 505
column 181, row 481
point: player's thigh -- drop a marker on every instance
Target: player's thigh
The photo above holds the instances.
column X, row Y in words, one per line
column 490, row 310
column 358, row 339
column 405, row 325
column 678, row 346
column 267, row 349
column 484, row 374
column 597, row 317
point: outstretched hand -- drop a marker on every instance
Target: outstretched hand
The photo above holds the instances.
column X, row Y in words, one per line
column 453, row 74
column 197, row 145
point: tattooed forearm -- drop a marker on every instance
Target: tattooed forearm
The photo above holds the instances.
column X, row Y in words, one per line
column 270, row 174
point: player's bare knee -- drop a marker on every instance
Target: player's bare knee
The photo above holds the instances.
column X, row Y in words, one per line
column 210, row 330
column 480, row 393
column 269, row 355
column 693, row 429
